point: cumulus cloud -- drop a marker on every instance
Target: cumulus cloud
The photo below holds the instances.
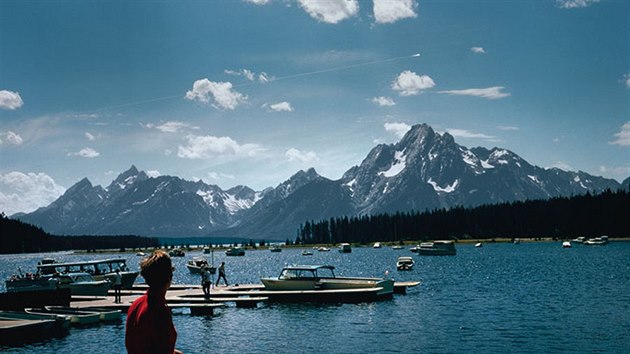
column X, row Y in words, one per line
column 11, row 138
column 622, row 138
column 301, row 156
column 223, row 96
column 390, row 11
column 153, row 173
column 491, row 93
column 330, row 11
column 400, row 129
column 478, row 50
column 278, row 107
column 205, row 147
column 25, row 192
column 573, row 4
column 89, row 136
column 383, row 101
column 86, row 152
column 409, row 83
column 10, row 100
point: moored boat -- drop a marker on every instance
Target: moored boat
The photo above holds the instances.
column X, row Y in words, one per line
column 597, row 241
column 77, row 317
column 566, row 244
column 196, row 264
column 345, row 248
column 235, row 251
column 307, row 253
column 105, row 314
column 21, row 327
column 78, row 283
column 323, row 249
column 437, row 248
column 102, row 269
column 405, row 263
column 275, row 249
column 322, row 277
column 377, row 245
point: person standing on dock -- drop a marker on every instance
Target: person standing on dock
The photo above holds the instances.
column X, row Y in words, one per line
column 206, row 281
column 222, row 274
column 149, row 327
column 117, row 286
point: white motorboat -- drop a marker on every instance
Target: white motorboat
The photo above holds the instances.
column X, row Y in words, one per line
column 597, row 241
column 235, row 251
column 206, row 250
column 397, row 247
column 307, row 253
column 478, row 244
column 437, row 248
column 345, row 248
column 275, row 249
column 377, row 245
column 322, row 277
column 566, row 244
column 580, row 239
column 405, row 263
column 323, row 249
column 78, row 283
column 196, row 265
column 102, row 269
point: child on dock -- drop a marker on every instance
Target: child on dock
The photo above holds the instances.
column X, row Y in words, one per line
column 150, row 326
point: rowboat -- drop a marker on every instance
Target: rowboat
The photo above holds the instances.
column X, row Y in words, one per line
column 404, row 263
column 105, row 314
column 76, row 317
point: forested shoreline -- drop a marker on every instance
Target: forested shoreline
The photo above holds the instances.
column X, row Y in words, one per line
column 588, row 215
column 19, row 237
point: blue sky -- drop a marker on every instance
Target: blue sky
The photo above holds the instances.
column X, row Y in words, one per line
column 249, row 92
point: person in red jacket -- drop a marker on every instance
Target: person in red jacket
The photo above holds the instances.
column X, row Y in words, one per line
column 150, row 326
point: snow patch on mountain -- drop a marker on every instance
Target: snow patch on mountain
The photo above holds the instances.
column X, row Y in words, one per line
column 397, row 167
column 448, row 189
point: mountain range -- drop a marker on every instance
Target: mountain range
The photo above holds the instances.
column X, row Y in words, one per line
column 423, row 171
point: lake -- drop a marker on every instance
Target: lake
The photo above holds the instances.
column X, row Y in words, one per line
column 528, row 297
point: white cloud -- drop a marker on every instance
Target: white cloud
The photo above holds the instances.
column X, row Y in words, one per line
column 10, row 100
column 11, row 138
column 383, row 101
column 86, row 152
column 25, row 192
column 491, row 93
column 622, row 138
column 409, row 83
column 205, row 147
column 330, row 11
column 222, row 94
column 278, row 107
column 620, row 173
column 562, row 165
column 626, row 80
column 400, row 129
column 463, row 133
column 172, row 126
column 573, row 4
column 478, row 50
column 301, row 156
column 508, row 128
column 258, row 2
column 89, row 136
column 217, row 176
column 390, row 11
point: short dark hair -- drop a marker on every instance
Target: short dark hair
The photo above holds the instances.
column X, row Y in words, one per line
column 157, row 269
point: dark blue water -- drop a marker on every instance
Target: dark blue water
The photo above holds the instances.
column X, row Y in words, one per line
column 532, row 297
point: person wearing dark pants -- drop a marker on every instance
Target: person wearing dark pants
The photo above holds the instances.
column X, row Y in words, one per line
column 222, row 274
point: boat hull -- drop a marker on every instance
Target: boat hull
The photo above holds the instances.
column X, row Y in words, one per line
column 275, row 284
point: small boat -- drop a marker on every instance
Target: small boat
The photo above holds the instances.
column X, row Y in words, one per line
column 140, row 254
column 177, row 253
column 322, row 277
column 323, row 249
column 597, row 241
column 415, row 248
column 275, row 249
column 196, row 264
column 404, row 263
column 377, row 245
column 397, row 247
column 206, row 250
column 478, row 244
column 566, row 244
column 437, row 248
column 235, row 251
column 78, row 283
column 77, row 317
column 517, row 241
column 105, row 314
column 307, row 253
column 345, row 248
column 579, row 239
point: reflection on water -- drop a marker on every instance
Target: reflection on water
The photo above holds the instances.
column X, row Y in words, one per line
column 499, row 298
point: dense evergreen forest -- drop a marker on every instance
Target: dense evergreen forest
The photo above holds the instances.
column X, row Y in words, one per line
column 18, row 237
column 562, row 218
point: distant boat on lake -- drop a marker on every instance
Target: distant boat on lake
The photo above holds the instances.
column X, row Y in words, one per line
column 437, row 248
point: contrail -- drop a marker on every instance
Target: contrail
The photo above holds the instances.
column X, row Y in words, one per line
column 416, row 55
